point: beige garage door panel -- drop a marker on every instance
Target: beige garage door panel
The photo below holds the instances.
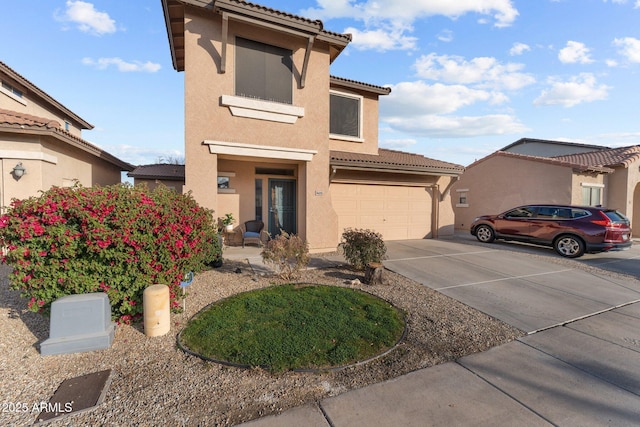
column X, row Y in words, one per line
column 395, row 212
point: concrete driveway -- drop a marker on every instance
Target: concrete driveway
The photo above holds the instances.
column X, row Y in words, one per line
column 528, row 287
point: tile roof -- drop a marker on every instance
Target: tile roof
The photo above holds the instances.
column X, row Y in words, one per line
column 558, row 161
column 340, row 81
column 8, row 117
column 159, row 171
column 523, row 141
column 11, row 73
column 394, row 161
column 609, row 157
column 13, row 121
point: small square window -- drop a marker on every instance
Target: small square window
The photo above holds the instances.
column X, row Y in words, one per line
column 224, row 182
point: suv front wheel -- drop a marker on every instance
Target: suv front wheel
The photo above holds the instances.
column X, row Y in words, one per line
column 569, row 246
column 485, row 234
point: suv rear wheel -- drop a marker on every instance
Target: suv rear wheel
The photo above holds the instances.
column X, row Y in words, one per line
column 569, row 246
column 485, row 234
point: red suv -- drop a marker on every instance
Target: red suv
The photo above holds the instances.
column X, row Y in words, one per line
column 571, row 230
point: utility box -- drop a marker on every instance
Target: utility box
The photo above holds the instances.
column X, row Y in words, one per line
column 79, row 323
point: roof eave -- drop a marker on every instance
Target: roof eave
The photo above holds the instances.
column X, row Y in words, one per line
column 75, row 142
column 401, row 169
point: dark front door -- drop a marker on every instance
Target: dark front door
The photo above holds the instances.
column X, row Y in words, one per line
column 282, row 206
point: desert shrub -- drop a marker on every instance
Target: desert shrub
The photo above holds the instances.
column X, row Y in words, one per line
column 362, row 247
column 116, row 239
column 288, row 253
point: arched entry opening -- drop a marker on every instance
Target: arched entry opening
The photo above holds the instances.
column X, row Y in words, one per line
column 635, row 220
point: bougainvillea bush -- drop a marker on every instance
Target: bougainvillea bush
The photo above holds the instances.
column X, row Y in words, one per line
column 117, row 239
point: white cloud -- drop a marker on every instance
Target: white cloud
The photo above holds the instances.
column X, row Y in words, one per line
column 381, row 39
column 87, row 18
column 137, row 155
column 629, row 48
column 398, row 143
column 481, row 71
column 445, row 36
column 457, row 127
column 410, row 99
column 121, row 65
column 518, row 49
column 502, row 11
column 574, row 52
column 579, row 89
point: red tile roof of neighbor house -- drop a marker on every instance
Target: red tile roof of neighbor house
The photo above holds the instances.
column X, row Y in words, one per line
column 16, row 122
column 394, row 161
column 607, row 157
column 577, row 166
column 159, row 171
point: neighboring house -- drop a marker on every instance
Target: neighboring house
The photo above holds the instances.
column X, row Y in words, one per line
column 41, row 144
column 170, row 175
column 502, row 180
column 271, row 135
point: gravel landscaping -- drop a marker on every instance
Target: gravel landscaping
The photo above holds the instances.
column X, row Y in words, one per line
column 155, row 383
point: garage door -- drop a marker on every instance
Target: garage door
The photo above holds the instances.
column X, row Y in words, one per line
column 396, row 212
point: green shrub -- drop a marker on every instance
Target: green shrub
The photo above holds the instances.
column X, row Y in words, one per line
column 362, row 247
column 117, row 239
column 288, row 253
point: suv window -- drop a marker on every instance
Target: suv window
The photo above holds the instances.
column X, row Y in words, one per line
column 579, row 213
column 616, row 216
column 554, row 212
column 521, row 212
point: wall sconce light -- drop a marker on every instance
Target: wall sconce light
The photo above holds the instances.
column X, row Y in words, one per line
column 18, row 171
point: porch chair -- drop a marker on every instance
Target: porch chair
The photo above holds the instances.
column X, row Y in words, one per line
column 252, row 232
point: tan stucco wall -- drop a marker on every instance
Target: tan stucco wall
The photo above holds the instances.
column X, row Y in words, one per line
column 500, row 183
column 61, row 165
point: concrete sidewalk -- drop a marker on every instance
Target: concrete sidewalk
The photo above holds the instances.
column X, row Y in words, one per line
column 585, row 372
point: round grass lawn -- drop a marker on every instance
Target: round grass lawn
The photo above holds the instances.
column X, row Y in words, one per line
column 294, row 327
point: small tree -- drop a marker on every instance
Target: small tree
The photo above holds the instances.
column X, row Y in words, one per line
column 288, row 253
column 362, row 247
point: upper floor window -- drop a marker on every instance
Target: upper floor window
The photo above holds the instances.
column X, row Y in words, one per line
column 263, row 71
column 345, row 115
column 12, row 89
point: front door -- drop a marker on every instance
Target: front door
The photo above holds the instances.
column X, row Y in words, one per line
column 282, row 206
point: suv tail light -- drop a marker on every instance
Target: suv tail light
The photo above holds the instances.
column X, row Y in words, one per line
column 604, row 221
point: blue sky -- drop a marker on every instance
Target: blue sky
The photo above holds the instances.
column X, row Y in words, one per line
column 467, row 76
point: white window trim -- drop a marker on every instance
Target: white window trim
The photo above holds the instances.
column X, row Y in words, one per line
column 262, row 110
column 462, row 205
column 360, row 116
column 590, row 184
column 13, row 96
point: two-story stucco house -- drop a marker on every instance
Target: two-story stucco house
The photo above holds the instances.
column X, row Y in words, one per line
column 271, row 135
column 41, row 143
